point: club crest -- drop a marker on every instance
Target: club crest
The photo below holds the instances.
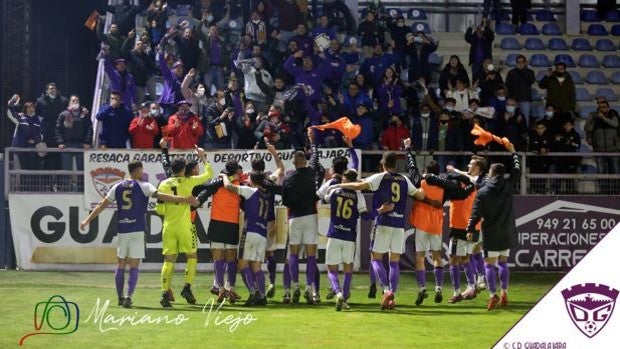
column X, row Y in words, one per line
column 104, row 178
column 590, row 306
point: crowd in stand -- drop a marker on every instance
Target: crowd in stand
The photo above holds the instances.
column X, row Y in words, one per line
column 287, row 71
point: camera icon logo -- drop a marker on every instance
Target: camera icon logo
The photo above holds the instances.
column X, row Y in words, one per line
column 54, row 316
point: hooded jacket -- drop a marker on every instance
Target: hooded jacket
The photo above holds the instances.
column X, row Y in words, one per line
column 494, row 204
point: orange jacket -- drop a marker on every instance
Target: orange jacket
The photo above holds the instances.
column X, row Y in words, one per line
column 460, row 210
column 426, row 217
column 225, row 205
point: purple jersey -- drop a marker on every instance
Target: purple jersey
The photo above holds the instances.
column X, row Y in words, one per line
column 256, row 208
column 132, row 199
column 391, row 188
column 346, row 206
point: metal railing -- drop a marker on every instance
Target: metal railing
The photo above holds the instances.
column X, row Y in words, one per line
column 585, row 180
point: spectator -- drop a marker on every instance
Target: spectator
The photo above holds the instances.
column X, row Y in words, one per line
column 289, row 19
column 367, row 136
column 114, row 39
column 28, row 133
column 370, row 34
column 449, row 138
column 399, row 34
column 157, row 12
column 155, row 32
column 452, row 72
column 115, row 119
column 276, row 97
column 392, row 138
column 273, row 129
column 196, row 94
column 425, row 133
column 389, row 94
column 604, row 6
column 144, row 128
column 519, row 11
column 510, row 123
column 324, row 27
column 219, row 121
column 497, row 11
column 184, row 128
column 234, row 99
column 490, row 82
column 462, row 95
column 540, row 143
column 602, row 133
column 498, row 101
column 419, row 48
column 141, row 67
column 364, row 86
column 338, row 65
column 245, row 128
column 481, row 45
column 328, row 138
column 256, row 81
column 352, row 58
column 519, row 83
column 304, row 42
column 125, row 14
column 48, row 106
column 171, row 94
column 553, row 120
column 353, row 98
column 257, row 29
column 120, row 79
column 374, row 67
column 74, row 131
column 215, row 58
column 187, row 48
column 560, row 89
column 567, row 141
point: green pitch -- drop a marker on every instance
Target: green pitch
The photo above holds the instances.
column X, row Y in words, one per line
column 463, row 325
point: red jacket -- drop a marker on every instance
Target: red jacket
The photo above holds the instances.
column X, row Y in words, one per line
column 392, row 137
column 186, row 135
column 141, row 136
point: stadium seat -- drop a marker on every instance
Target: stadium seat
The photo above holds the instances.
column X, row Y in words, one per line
column 536, row 96
column 417, row 14
column 613, row 16
column 566, row 59
column 615, row 30
column 510, row 43
column 183, row 10
column 511, row 60
column 420, row 27
column 529, row 29
column 505, row 14
column 585, row 111
column 541, row 74
column 605, row 45
column 581, row 44
column 394, row 12
column 589, row 16
column 611, row 61
column 606, row 92
column 615, row 77
column 581, row 94
column 539, row 60
column 597, row 30
column 557, row 44
column 576, row 77
column 596, row 77
column 587, row 61
column 551, row 29
column 534, row 44
column 503, row 28
column 435, row 59
column 545, row 16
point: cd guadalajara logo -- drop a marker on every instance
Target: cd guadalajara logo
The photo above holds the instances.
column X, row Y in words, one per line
column 590, row 306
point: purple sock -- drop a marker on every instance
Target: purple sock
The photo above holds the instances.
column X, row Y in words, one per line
column 231, row 268
column 470, row 273
column 219, row 267
column 504, row 273
column 259, row 278
column 333, row 279
column 248, row 279
column 455, row 275
column 373, row 276
column 420, row 276
column 491, row 278
column 271, row 268
column 377, row 265
column 479, row 263
column 439, row 276
column 293, row 266
column 310, row 270
column 346, row 288
column 394, row 275
column 119, row 277
column 133, row 281
column 317, row 276
column 286, row 277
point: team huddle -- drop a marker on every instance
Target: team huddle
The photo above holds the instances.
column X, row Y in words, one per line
column 482, row 225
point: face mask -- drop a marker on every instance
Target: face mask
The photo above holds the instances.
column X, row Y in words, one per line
column 449, row 108
column 209, row 18
column 52, row 95
column 443, row 122
column 510, row 108
column 222, row 102
column 501, row 98
column 418, row 39
column 561, row 79
column 425, row 115
column 256, row 21
column 549, row 113
column 154, row 112
column 249, row 111
column 400, row 24
column 75, row 106
column 200, row 91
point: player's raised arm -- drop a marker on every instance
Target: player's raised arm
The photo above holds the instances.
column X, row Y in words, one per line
column 94, row 213
column 208, row 171
column 355, row 161
column 412, row 167
column 276, row 156
column 165, row 161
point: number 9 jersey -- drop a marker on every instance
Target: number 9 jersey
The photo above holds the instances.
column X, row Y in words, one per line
column 391, row 188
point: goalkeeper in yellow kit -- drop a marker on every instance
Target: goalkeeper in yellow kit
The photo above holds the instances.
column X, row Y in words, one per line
column 177, row 236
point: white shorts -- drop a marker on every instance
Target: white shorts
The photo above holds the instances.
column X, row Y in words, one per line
column 272, row 236
column 303, row 230
column 222, row 246
column 339, row 251
column 461, row 248
column 254, row 248
column 388, row 239
column 426, row 241
column 131, row 245
column 495, row 254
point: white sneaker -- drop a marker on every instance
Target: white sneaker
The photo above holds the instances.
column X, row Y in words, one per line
column 339, row 301
column 481, row 283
